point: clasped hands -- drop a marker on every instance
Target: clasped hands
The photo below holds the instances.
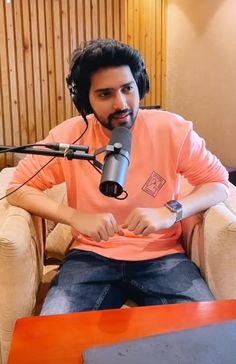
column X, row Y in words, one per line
column 141, row 221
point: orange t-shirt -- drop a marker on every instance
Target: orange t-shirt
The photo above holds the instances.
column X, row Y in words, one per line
column 164, row 146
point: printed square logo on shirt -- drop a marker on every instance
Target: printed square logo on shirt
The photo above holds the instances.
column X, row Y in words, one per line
column 153, row 185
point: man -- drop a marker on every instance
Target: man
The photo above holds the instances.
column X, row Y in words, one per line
column 130, row 247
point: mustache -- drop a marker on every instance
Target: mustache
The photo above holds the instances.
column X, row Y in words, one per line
column 118, row 113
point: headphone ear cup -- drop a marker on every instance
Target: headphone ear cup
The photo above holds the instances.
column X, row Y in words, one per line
column 143, row 84
column 76, row 100
column 81, row 103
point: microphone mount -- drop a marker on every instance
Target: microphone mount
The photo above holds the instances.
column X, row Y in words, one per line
column 69, row 151
column 116, row 161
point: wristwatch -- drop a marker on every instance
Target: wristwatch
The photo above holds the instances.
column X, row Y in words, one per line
column 175, row 206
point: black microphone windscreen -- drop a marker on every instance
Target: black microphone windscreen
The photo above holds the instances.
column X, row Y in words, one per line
column 116, row 163
column 121, row 135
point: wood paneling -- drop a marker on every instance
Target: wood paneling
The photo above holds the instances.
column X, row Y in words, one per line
column 37, row 38
column 144, row 32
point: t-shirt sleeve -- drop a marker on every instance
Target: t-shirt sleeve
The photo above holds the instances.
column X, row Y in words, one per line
column 198, row 164
column 40, row 172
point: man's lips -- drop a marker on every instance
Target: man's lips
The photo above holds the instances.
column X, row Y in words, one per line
column 121, row 116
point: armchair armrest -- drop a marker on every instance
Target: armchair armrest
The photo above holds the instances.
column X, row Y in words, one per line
column 210, row 241
column 217, row 258
column 21, row 264
column 20, row 270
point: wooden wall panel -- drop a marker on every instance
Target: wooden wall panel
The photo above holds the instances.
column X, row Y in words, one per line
column 144, row 32
column 37, row 38
column 2, row 156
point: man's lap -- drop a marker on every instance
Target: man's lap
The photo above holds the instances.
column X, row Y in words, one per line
column 87, row 281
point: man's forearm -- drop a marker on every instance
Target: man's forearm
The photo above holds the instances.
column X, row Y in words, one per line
column 98, row 226
column 203, row 197
column 38, row 203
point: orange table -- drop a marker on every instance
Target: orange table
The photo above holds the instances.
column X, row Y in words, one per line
column 62, row 338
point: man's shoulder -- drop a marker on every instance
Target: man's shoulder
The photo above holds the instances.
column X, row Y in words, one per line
column 70, row 123
column 164, row 119
column 68, row 129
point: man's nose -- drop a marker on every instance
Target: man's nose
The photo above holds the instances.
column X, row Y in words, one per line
column 120, row 102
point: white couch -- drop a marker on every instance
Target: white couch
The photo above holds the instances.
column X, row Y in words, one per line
column 25, row 241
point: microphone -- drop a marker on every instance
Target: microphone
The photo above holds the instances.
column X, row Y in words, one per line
column 116, row 163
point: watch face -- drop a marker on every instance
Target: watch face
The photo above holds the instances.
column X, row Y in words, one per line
column 174, row 204
column 175, row 207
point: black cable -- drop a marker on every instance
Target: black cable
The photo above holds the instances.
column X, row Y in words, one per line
column 98, row 170
column 22, row 147
column 50, row 160
column 29, row 179
column 116, row 197
column 124, row 197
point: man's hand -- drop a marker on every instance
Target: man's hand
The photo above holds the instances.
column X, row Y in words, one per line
column 99, row 227
column 145, row 221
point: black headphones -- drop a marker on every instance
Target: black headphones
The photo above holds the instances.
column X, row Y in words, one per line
column 82, row 103
column 143, row 83
column 76, row 97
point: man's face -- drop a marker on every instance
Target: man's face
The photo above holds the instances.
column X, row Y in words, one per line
column 114, row 97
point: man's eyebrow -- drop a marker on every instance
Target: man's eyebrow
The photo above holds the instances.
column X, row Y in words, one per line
column 111, row 89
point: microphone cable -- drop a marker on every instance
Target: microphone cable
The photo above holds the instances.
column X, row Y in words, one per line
column 45, row 165
column 116, row 197
column 15, row 149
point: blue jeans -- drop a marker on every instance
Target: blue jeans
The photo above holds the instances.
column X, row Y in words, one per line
column 87, row 281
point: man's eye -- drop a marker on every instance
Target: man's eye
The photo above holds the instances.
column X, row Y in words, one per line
column 104, row 94
column 128, row 88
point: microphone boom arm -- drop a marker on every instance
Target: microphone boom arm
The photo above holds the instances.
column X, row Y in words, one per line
column 78, row 152
column 116, row 162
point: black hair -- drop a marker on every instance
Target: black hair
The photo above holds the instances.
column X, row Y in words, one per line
column 101, row 53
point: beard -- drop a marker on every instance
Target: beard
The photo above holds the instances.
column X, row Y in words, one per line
column 110, row 123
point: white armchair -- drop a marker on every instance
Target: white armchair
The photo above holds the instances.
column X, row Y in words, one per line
column 25, row 240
